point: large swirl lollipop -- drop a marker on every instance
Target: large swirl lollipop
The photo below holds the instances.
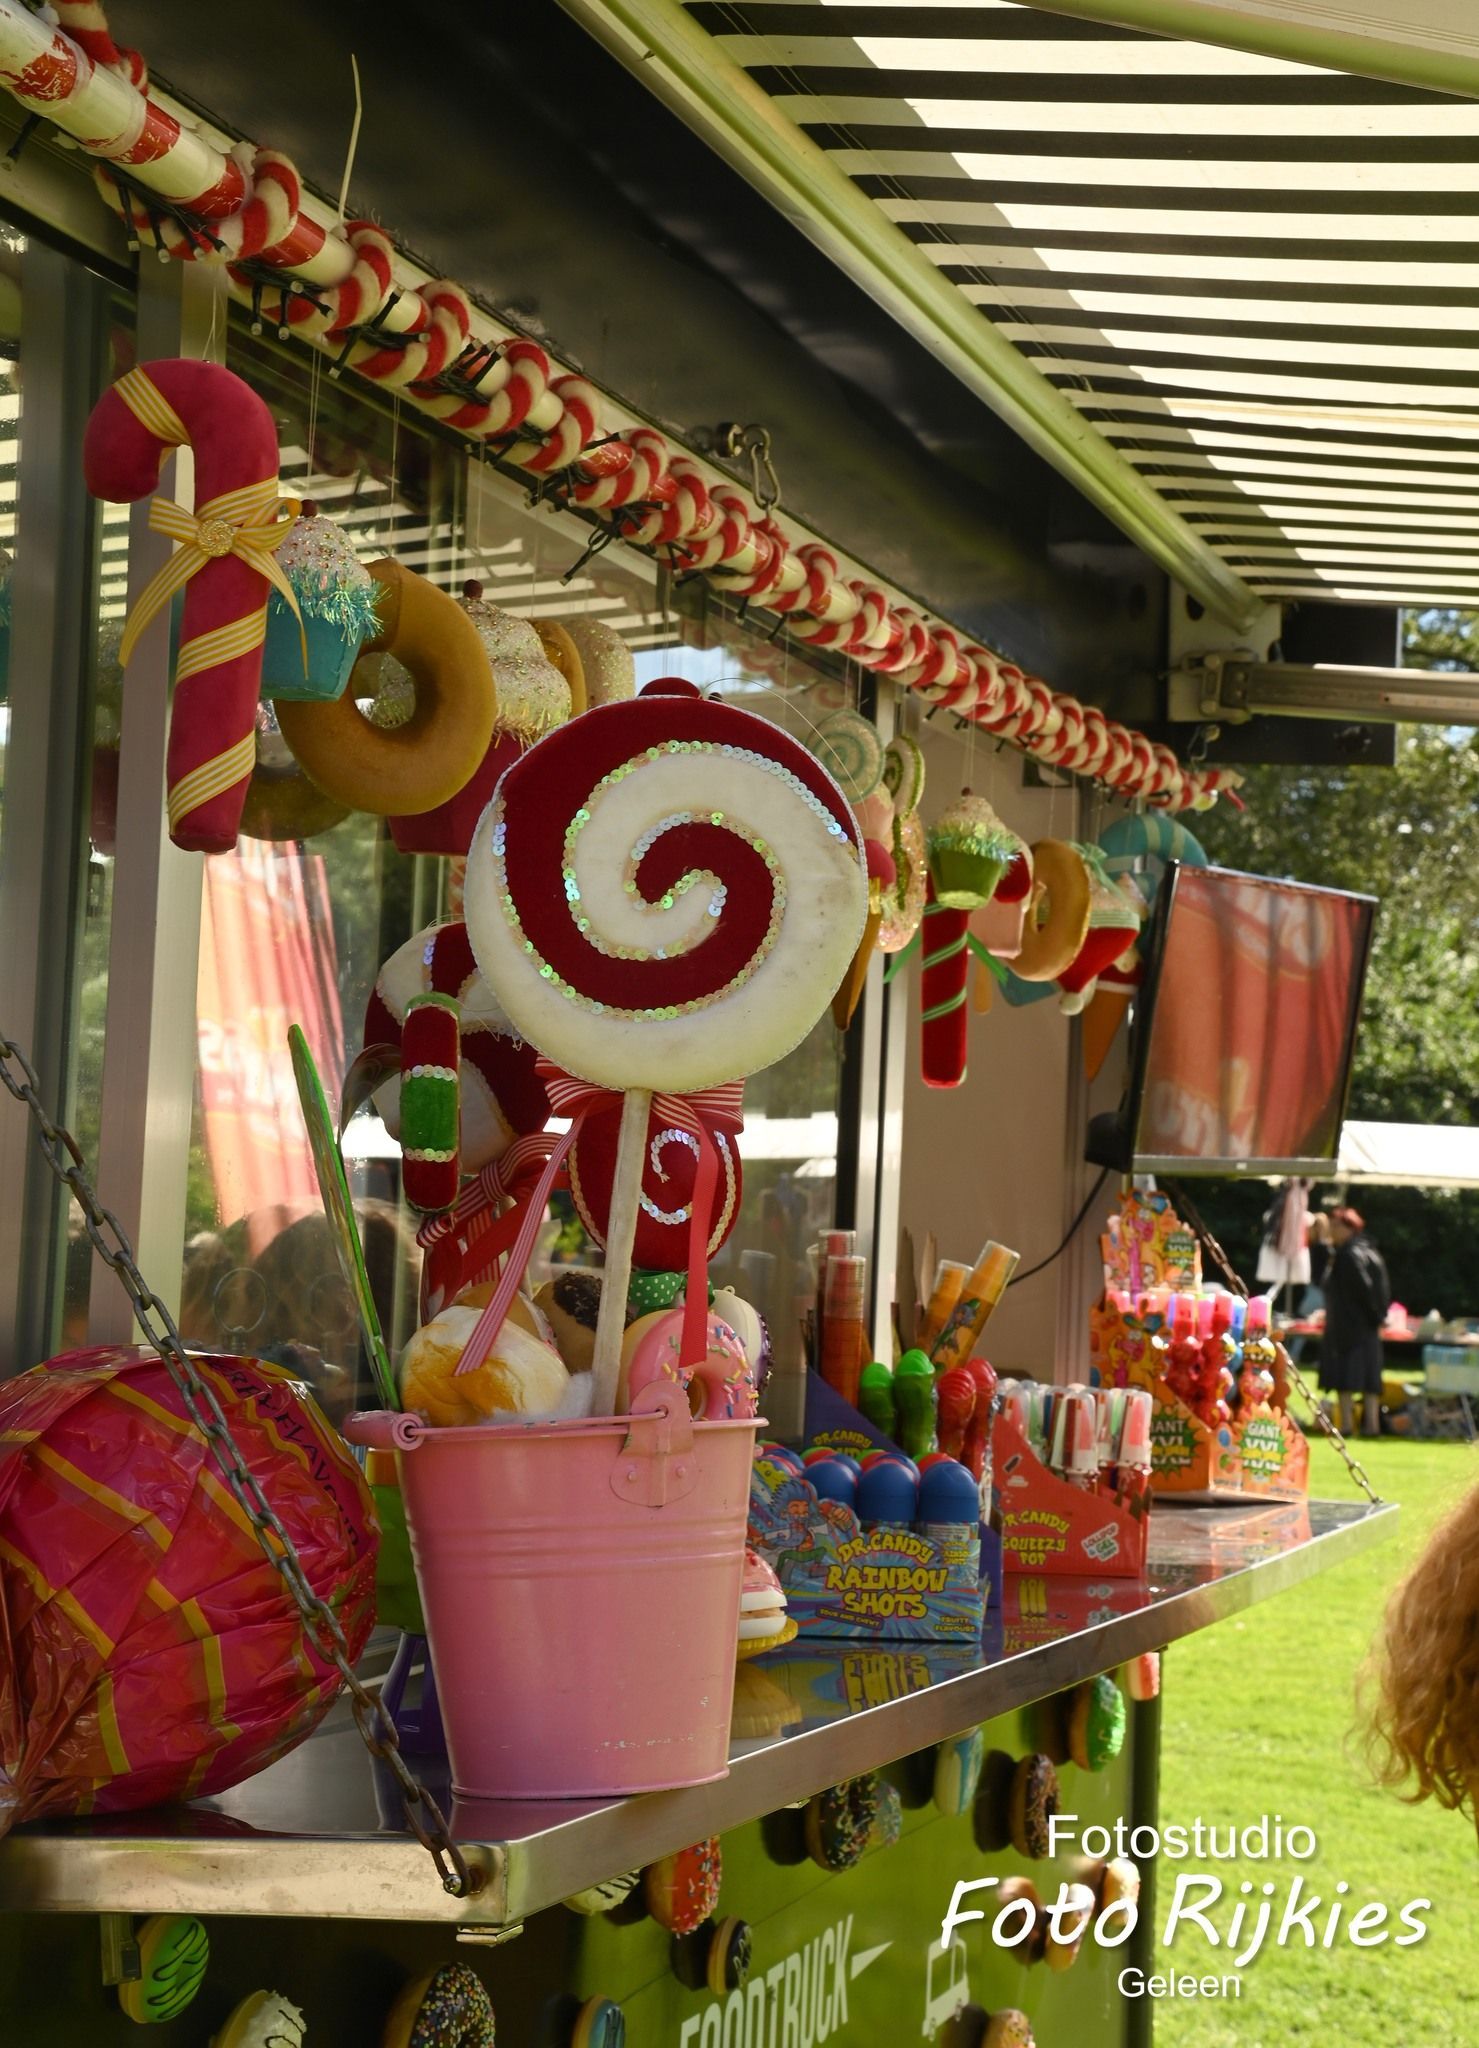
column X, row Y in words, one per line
column 664, row 894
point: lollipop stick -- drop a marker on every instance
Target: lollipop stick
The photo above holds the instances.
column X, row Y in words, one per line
column 626, row 1193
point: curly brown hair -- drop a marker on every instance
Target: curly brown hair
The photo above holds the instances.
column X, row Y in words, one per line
column 1421, row 1688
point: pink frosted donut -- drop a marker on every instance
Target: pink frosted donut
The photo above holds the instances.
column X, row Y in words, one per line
column 720, row 1388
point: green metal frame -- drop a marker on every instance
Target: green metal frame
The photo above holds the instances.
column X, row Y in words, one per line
column 683, row 65
column 1300, row 32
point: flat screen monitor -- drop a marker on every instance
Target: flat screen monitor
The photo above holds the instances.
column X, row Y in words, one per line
column 1247, row 1025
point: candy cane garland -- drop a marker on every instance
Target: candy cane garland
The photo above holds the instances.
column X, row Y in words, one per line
column 224, row 565
column 247, row 211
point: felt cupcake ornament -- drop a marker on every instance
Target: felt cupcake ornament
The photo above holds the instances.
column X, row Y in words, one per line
column 337, row 597
column 970, row 850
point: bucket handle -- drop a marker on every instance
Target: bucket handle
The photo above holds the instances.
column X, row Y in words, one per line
column 383, row 1429
column 656, row 1463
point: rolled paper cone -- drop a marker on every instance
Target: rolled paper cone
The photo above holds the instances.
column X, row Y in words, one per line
column 626, row 1194
column 950, row 1277
column 842, row 1327
column 1099, row 1025
column 431, row 1051
column 839, row 1244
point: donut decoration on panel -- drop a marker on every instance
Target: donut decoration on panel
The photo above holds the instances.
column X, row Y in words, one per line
column 682, row 1890
column 153, row 1652
column 310, row 650
column 447, row 2008
column 225, row 563
column 174, row 1955
column 1096, row 1723
column 263, row 2019
column 427, row 757
column 839, row 1823
column 1034, row 1799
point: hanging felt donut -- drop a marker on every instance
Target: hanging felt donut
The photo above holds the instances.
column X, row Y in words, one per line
column 421, row 763
column 282, row 804
column 501, row 1094
column 1058, row 913
column 669, row 1168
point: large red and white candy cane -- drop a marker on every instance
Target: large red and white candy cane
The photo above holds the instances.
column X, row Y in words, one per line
column 224, row 565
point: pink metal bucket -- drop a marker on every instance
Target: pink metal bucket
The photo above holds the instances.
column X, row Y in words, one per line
column 581, row 1584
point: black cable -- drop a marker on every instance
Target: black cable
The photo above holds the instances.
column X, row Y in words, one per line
column 1089, row 1199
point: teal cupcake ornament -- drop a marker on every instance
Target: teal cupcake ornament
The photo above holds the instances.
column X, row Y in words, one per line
column 337, row 597
column 969, row 851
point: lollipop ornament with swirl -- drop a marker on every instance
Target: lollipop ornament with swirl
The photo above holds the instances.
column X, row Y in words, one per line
column 664, row 895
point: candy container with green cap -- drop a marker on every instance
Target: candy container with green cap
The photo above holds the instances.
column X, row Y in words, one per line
column 969, row 852
column 914, row 1398
column 876, row 1396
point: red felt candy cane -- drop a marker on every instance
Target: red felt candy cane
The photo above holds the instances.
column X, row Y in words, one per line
column 224, row 565
column 942, row 989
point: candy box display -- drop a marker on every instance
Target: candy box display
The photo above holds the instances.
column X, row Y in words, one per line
column 1200, row 1442
column 888, row 1582
column 1148, row 1245
column 1050, row 1525
column 831, row 1681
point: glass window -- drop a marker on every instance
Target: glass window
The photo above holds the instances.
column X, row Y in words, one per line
column 295, row 929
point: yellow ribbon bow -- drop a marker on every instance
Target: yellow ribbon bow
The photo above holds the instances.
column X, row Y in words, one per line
column 239, row 523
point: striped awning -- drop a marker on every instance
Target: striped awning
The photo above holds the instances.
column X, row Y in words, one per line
column 1256, row 279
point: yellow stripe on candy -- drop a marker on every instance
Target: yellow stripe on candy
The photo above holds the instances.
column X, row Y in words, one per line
column 151, row 408
column 108, row 1728
column 126, row 1510
column 215, row 1670
column 222, row 643
column 211, row 778
column 65, row 1602
column 120, row 1390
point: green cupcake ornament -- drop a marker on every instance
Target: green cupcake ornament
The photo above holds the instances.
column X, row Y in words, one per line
column 969, row 852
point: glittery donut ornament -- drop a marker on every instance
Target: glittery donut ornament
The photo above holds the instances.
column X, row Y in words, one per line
column 447, row 2009
column 666, row 893
column 669, row 1172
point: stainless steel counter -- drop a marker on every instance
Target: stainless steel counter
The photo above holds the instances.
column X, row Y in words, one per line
column 318, row 1834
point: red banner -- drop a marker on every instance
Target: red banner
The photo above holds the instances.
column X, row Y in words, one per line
column 267, row 960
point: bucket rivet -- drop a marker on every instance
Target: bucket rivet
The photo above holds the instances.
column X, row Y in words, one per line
column 681, row 1470
column 631, row 1474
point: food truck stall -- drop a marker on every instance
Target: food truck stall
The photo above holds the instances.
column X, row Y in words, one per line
column 659, row 589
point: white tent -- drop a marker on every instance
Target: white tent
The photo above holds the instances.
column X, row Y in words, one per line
column 1411, row 1155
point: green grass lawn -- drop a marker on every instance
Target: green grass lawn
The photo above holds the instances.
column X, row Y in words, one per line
column 1258, row 1710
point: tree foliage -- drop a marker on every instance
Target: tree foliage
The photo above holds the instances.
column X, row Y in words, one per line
column 1410, row 837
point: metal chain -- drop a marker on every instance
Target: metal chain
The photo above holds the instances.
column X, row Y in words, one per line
column 62, row 1153
column 1352, row 1463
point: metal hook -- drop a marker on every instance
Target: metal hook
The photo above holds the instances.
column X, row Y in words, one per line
column 754, row 441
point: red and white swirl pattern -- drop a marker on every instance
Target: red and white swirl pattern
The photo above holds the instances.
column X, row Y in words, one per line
column 638, row 867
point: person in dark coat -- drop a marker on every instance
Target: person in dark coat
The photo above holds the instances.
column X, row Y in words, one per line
column 1357, row 1296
